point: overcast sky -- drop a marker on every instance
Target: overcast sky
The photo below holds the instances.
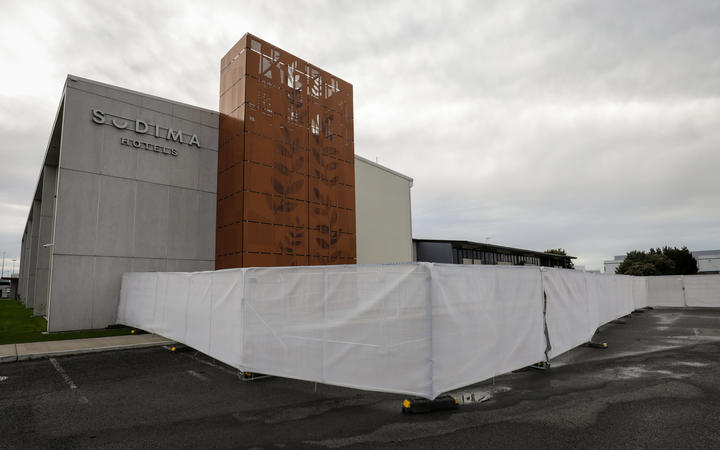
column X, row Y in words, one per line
column 592, row 126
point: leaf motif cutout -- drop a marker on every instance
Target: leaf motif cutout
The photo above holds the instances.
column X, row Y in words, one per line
column 333, row 217
column 286, row 134
column 298, row 164
column 278, row 186
column 282, row 150
column 322, row 243
column 280, row 167
column 317, row 156
column 296, row 186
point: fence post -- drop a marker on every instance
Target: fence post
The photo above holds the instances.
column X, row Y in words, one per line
column 682, row 284
column 429, row 267
column 548, row 347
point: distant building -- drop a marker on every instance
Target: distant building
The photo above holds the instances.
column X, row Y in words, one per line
column 613, row 264
column 8, row 286
column 467, row 252
column 708, row 262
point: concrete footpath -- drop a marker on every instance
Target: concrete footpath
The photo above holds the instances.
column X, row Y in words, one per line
column 47, row 349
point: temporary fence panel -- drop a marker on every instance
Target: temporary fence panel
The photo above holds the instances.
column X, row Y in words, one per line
column 486, row 320
column 138, row 294
column 578, row 303
column 418, row 329
column 626, row 297
column 571, row 316
column 199, row 309
column 170, row 309
column 665, row 291
column 359, row 326
column 603, row 292
column 640, row 295
column 702, row 290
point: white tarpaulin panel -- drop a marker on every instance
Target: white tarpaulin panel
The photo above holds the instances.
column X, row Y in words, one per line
column 578, row 303
column 200, row 309
column 665, row 291
column 359, row 326
column 486, row 320
column 571, row 317
column 640, row 295
column 419, row 329
column 702, row 290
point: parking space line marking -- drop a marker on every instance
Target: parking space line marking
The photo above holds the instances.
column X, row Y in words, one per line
column 63, row 374
column 208, row 363
column 198, row 376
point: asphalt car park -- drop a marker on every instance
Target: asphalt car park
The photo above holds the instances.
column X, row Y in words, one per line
column 656, row 385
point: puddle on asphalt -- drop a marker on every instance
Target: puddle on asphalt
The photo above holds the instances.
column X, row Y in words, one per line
column 468, row 397
column 690, row 364
column 633, row 372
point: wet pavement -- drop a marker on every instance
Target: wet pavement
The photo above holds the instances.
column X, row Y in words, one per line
column 657, row 385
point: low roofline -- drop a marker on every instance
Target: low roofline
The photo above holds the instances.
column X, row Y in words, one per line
column 482, row 244
column 380, row 166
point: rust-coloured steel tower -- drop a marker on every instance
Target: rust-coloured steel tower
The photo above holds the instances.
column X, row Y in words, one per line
column 286, row 176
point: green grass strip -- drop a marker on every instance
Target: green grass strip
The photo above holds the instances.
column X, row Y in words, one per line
column 18, row 325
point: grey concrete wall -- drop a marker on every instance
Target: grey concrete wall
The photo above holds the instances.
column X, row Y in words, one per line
column 25, row 259
column 45, row 236
column 21, row 268
column 123, row 209
column 32, row 260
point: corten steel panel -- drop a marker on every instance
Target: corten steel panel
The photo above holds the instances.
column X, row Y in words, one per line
column 286, row 162
column 265, row 208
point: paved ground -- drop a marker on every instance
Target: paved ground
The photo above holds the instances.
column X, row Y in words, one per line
column 35, row 350
column 658, row 385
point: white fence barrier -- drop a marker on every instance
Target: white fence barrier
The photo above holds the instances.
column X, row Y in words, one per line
column 684, row 291
column 420, row 329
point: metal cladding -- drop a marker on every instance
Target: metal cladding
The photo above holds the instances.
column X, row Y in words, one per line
column 286, row 188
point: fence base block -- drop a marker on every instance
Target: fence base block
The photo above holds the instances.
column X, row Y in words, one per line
column 423, row 405
column 600, row 345
column 542, row 365
column 251, row 376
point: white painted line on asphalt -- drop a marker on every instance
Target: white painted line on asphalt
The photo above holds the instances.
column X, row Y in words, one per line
column 208, row 363
column 82, row 399
column 198, row 376
column 63, row 374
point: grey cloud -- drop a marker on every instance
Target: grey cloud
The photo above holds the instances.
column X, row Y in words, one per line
column 585, row 125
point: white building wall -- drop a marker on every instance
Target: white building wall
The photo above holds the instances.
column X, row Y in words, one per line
column 709, row 263
column 382, row 214
column 610, row 266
